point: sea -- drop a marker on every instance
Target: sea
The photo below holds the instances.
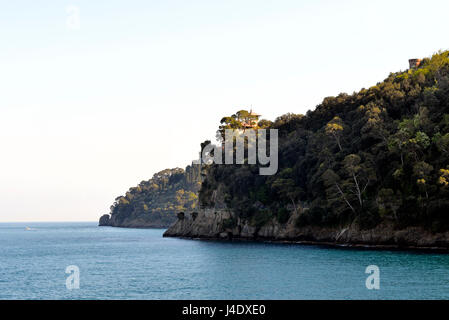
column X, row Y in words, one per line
column 84, row 261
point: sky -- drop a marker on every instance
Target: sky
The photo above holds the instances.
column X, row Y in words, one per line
column 96, row 96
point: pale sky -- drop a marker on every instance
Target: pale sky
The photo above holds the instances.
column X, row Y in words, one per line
column 89, row 109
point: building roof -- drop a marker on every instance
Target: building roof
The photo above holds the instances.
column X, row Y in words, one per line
column 251, row 113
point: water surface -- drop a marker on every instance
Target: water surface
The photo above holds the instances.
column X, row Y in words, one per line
column 119, row 263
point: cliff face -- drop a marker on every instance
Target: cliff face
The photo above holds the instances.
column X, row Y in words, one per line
column 220, row 222
column 142, row 221
column 207, row 224
column 214, row 224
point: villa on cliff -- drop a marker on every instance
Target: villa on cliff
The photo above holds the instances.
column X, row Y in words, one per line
column 251, row 121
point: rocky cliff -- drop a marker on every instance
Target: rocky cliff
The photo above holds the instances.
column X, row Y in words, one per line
column 222, row 224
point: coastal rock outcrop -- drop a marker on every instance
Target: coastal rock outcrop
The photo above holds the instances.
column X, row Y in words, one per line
column 221, row 224
column 208, row 223
column 141, row 221
column 104, row 220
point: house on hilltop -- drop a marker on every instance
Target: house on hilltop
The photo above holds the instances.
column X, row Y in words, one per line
column 251, row 120
column 414, row 63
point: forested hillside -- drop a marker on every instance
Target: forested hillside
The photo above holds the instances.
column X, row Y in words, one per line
column 378, row 155
column 154, row 203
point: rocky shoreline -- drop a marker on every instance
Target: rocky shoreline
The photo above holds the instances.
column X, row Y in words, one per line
column 210, row 224
column 335, row 245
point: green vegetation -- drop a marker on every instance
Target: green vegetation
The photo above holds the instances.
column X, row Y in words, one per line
column 241, row 120
column 159, row 199
column 377, row 155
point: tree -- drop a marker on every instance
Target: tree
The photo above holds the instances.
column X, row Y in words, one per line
column 240, row 120
column 408, row 140
column 398, row 141
column 352, row 187
column 389, row 202
column 286, row 189
column 417, row 145
column 374, row 124
column 332, row 183
column 227, row 123
column 265, row 124
column 422, row 171
column 245, row 117
column 334, row 128
column 442, row 143
column 359, row 174
column 443, row 179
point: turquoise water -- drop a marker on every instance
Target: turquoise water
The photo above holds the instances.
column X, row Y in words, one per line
column 139, row 264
